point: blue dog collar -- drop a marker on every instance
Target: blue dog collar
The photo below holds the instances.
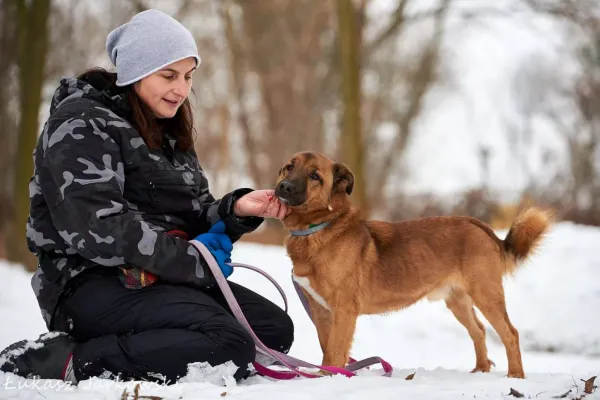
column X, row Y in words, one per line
column 311, row 229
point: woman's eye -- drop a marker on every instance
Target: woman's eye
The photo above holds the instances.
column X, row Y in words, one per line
column 314, row 176
column 188, row 78
column 169, row 77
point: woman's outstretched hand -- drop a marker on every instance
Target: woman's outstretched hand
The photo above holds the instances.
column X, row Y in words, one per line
column 260, row 203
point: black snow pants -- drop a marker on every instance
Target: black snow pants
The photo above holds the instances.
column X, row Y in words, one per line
column 154, row 332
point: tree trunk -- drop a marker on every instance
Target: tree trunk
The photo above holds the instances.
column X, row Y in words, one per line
column 7, row 119
column 351, row 142
column 33, row 46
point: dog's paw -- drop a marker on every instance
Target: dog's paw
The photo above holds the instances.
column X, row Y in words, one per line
column 484, row 367
column 516, row 374
column 322, row 372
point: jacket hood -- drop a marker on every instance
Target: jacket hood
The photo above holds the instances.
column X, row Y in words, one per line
column 95, row 88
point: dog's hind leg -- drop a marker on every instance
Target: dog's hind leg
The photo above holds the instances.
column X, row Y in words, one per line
column 489, row 299
column 461, row 305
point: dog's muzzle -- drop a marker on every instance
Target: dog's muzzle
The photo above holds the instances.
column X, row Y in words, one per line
column 290, row 193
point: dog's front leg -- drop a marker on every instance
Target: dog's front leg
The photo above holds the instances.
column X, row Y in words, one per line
column 321, row 317
column 343, row 324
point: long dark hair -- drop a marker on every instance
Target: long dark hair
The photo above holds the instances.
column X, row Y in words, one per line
column 151, row 129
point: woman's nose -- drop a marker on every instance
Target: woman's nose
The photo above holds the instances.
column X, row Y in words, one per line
column 181, row 88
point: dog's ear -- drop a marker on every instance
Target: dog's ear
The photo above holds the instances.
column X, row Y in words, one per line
column 343, row 178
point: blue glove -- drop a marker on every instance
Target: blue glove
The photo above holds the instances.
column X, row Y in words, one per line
column 219, row 245
column 223, row 259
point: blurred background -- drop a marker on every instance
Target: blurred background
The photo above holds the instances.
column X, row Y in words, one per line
column 467, row 107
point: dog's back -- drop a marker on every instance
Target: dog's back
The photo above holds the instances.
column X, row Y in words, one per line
column 432, row 256
column 455, row 239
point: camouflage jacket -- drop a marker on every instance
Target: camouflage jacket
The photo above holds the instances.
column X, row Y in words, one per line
column 100, row 197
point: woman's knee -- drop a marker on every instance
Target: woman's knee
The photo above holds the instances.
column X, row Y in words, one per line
column 287, row 333
column 280, row 336
column 237, row 343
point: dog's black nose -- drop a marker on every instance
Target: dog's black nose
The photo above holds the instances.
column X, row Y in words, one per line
column 286, row 187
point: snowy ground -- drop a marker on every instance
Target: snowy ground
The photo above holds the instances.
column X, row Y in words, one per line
column 554, row 301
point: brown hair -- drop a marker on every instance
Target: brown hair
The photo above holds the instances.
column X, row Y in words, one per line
column 151, row 129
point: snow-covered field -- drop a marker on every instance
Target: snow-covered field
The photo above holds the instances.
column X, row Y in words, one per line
column 554, row 301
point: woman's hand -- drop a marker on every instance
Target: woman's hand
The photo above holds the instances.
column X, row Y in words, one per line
column 260, row 203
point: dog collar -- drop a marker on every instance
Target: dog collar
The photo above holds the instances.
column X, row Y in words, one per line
column 312, row 228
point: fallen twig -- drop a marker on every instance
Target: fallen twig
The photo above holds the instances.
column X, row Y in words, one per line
column 515, row 393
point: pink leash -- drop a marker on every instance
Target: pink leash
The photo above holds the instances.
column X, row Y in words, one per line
column 292, row 363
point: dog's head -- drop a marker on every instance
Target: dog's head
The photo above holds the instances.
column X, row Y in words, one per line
column 311, row 181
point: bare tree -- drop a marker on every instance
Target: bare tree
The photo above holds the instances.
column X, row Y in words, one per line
column 581, row 19
column 32, row 31
column 350, row 61
column 404, row 82
column 534, row 81
column 282, row 44
column 8, row 135
column 585, row 147
column 301, row 68
column 75, row 40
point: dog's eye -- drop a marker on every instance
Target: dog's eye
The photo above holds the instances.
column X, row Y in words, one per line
column 314, row 176
column 289, row 167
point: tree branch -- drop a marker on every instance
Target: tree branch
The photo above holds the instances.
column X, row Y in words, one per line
column 398, row 18
column 237, row 76
column 422, row 80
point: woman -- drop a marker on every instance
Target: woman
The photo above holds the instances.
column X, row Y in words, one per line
column 117, row 193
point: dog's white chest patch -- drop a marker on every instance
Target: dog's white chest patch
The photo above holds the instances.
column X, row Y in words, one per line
column 305, row 283
column 440, row 294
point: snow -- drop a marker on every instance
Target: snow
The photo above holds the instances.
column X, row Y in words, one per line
column 553, row 301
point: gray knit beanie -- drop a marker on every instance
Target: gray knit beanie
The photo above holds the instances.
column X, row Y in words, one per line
column 147, row 43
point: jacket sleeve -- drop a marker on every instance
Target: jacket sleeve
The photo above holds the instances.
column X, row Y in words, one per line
column 212, row 211
column 82, row 180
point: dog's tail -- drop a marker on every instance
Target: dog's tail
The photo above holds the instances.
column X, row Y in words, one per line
column 526, row 234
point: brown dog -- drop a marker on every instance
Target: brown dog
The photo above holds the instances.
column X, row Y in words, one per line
column 353, row 266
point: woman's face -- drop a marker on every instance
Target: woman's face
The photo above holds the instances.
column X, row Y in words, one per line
column 166, row 89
